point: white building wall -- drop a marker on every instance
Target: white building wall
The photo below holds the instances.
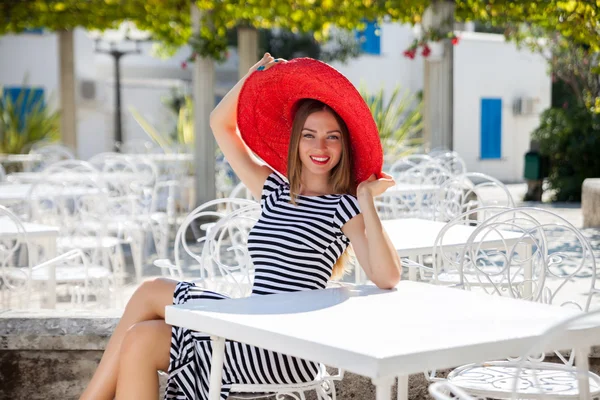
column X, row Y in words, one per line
column 484, row 66
column 390, row 68
column 487, row 66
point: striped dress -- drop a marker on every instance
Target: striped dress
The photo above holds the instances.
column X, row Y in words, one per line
column 293, row 248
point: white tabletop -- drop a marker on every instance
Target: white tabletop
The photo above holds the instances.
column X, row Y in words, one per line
column 378, row 333
column 8, row 229
column 167, row 157
column 35, row 177
column 410, row 188
column 19, row 158
column 414, row 236
column 10, row 193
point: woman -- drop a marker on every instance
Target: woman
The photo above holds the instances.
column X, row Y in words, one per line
column 298, row 243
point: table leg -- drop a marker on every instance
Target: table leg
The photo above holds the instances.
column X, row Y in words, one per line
column 527, row 271
column 50, row 252
column 216, row 367
column 412, row 271
column 402, row 387
column 383, row 388
column 583, row 369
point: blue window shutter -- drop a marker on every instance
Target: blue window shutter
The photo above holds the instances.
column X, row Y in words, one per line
column 491, row 128
column 370, row 38
column 26, row 99
column 34, row 31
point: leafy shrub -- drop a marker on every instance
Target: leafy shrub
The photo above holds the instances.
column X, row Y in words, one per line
column 399, row 120
column 19, row 131
column 570, row 137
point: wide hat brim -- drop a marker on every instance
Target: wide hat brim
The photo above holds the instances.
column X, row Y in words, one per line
column 267, row 102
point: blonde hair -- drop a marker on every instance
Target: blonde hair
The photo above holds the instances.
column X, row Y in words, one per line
column 341, row 175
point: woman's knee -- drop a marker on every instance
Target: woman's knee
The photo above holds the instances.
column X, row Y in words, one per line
column 155, row 293
column 148, row 341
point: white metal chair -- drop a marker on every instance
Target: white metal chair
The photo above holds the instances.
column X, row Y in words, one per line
column 450, row 160
column 191, row 236
column 240, row 191
column 79, row 208
column 22, row 276
column 444, row 390
column 226, row 268
column 2, row 174
column 50, row 154
column 443, row 267
column 558, row 267
column 468, row 191
column 405, row 163
column 417, row 203
column 526, row 377
column 138, row 146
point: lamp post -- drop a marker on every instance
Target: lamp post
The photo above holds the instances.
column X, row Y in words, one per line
column 127, row 32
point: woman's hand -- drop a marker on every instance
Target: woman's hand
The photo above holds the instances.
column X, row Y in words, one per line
column 374, row 187
column 265, row 63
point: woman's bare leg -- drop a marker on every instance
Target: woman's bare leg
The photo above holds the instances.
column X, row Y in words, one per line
column 145, row 350
column 147, row 303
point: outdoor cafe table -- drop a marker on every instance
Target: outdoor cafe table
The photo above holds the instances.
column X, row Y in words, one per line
column 16, row 193
column 413, row 237
column 35, row 177
column 44, row 236
column 19, row 158
column 403, row 189
column 378, row 333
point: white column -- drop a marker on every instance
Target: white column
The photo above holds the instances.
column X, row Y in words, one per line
column 247, row 49
column 203, row 80
column 68, row 120
column 438, row 80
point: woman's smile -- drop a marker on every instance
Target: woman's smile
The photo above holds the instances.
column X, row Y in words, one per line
column 320, row 160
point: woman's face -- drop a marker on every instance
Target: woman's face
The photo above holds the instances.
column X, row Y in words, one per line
column 320, row 143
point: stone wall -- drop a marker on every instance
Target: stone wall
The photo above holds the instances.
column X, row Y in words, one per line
column 51, row 354
column 47, row 355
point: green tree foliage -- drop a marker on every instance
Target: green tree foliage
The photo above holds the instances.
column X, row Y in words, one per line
column 570, row 137
column 169, row 20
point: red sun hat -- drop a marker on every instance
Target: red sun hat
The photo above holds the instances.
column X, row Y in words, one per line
column 266, row 105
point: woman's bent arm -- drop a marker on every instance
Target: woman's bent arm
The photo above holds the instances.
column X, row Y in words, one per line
column 223, row 122
column 373, row 248
column 383, row 260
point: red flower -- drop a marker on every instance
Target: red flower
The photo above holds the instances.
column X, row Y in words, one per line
column 410, row 53
column 183, row 65
column 426, row 51
column 455, row 40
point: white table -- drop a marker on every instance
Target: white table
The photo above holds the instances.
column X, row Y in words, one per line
column 15, row 193
column 401, row 189
column 408, row 199
column 377, row 333
column 44, row 236
column 19, row 158
column 35, row 177
column 414, row 237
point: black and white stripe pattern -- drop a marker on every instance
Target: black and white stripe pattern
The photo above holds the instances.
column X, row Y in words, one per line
column 293, row 248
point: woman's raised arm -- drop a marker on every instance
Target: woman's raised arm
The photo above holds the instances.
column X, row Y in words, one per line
column 223, row 122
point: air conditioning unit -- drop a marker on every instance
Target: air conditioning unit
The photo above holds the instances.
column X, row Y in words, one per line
column 524, row 106
column 88, row 91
